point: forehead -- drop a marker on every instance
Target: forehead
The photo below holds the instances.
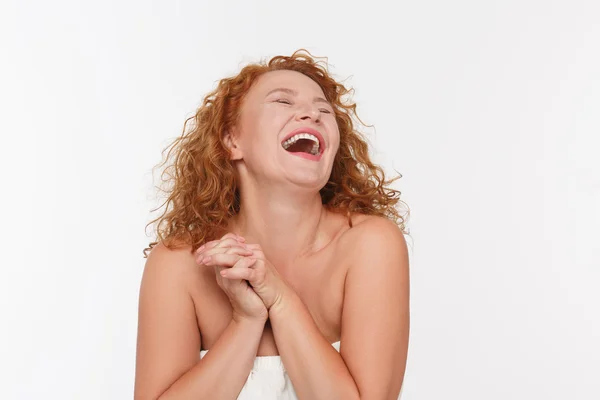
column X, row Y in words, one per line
column 285, row 79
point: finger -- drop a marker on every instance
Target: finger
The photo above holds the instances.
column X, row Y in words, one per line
column 238, row 273
column 256, row 250
column 222, row 259
column 227, row 284
column 229, row 235
column 207, row 245
column 218, row 269
column 228, row 242
column 239, row 250
column 241, row 238
column 217, row 243
column 235, row 236
column 232, row 250
column 258, row 253
column 243, row 263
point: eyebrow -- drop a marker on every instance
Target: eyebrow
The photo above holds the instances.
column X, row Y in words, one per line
column 295, row 93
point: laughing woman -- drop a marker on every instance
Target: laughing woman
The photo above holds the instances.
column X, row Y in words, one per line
column 281, row 270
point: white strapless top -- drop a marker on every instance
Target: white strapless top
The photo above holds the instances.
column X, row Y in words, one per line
column 268, row 379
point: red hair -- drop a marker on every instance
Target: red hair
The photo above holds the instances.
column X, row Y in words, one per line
column 203, row 193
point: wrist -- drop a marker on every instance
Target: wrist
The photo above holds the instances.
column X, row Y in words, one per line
column 246, row 321
column 281, row 304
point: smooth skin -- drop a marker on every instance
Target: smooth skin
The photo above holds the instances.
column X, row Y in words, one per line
column 167, row 365
column 283, row 251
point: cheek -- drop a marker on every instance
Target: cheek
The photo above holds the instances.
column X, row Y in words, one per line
column 269, row 126
column 260, row 139
column 336, row 145
column 335, row 134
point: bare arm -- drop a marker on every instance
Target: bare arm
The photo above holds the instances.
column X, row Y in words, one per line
column 315, row 368
column 375, row 324
column 168, row 364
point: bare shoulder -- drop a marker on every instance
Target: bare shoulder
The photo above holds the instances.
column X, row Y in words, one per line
column 161, row 251
column 176, row 264
column 370, row 232
column 168, row 269
column 374, row 244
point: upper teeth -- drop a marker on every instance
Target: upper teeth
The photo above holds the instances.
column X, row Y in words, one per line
column 295, row 138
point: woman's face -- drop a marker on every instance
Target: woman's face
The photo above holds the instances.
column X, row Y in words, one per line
column 287, row 131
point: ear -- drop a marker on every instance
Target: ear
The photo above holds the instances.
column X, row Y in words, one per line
column 231, row 142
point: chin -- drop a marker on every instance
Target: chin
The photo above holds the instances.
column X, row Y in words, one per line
column 315, row 183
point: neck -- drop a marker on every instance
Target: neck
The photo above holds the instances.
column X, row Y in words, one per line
column 288, row 226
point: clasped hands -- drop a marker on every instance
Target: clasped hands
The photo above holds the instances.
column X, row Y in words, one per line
column 241, row 268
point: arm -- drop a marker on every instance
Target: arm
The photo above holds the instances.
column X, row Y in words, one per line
column 316, row 369
column 374, row 345
column 168, row 364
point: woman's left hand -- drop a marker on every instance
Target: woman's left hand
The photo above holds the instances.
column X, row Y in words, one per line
column 262, row 276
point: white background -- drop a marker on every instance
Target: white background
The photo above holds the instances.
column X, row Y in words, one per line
column 489, row 109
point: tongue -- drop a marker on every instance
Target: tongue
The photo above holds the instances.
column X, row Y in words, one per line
column 301, row 146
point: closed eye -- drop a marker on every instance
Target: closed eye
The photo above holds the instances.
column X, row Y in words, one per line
column 286, row 101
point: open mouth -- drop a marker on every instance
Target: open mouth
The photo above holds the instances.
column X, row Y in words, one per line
column 303, row 143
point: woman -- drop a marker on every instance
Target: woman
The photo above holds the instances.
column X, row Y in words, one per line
column 282, row 270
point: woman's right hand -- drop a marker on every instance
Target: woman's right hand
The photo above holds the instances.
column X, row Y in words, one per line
column 244, row 301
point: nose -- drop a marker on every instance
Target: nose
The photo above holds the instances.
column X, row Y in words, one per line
column 309, row 113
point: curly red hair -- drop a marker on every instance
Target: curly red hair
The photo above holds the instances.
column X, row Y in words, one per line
column 203, row 193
